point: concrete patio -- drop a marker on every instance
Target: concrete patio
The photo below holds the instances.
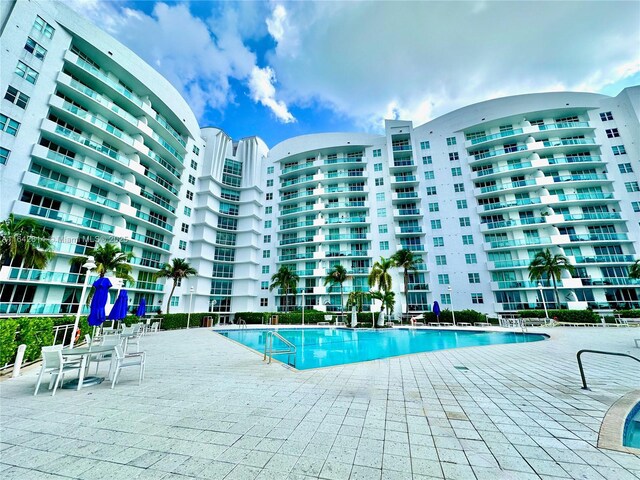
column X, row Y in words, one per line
column 210, row 409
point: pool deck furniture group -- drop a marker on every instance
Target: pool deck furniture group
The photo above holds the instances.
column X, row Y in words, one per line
column 211, row 409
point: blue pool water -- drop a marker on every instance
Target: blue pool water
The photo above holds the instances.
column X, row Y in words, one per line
column 324, row 347
column 632, row 428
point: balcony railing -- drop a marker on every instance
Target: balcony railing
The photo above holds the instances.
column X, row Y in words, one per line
column 513, row 203
column 154, row 242
column 70, row 162
column 521, row 242
column 154, row 220
column 592, row 216
column 347, row 236
column 157, row 200
column 295, row 256
column 598, row 237
column 579, row 178
column 333, row 161
column 109, row 81
column 585, row 196
column 68, row 218
column 514, row 223
column 606, row 259
column 77, row 193
column 508, row 186
column 76, row 137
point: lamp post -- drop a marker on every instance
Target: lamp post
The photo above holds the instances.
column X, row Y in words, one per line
column 544, row 303
column 453, row 313
column 190, row 306
column 89, row 265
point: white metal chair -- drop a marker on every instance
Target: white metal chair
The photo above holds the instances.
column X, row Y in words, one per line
column 54, row 363
column 108, row 341
column 123, row 360
column 154, row 327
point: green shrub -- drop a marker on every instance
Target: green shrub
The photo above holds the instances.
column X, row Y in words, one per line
column 35, row 333
column 174, row 321
column 573, row 316
column 628, row 313
column 8, row 343
column 252, row 318
column 468, row 316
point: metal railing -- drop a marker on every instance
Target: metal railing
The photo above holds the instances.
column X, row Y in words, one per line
column 584, row 380
column 269, row 350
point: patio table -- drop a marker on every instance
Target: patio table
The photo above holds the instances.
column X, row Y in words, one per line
column 84, row 353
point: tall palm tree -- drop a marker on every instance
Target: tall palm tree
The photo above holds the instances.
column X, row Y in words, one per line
column 287, row 280
column 178, row 269
column 405, row 260
column 26, row 239
column 109, row 257
column 634, row 269
column 338, row 276
column 380, row 277
column 546, row 265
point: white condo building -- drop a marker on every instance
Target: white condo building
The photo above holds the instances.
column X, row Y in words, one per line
column 97, row 146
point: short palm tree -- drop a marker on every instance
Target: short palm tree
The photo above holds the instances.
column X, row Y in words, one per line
column 27, row 240
column 287, row 280
column 338, row 276
column 388, row 300
column 109, row 257
column 177, row 270
column 405, row 260
column 634, row 270
column 380, row 277
column 546, row 265
column 356, row 299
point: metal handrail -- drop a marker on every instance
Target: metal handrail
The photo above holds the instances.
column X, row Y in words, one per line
column 584, row 380
column 269, row 351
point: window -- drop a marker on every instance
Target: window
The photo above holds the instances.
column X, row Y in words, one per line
column 451, row 140
column 441, row 259
column 625, row 168
column 184, row 228
column 196, row 150
column 458, row 187
column 438, row 241
column 265, row 269
column 635, row 205
column 425, row 145
column 383, row 228
column 443, row 278
column 431, row 191
column 270, row 183
column 35, row 49
column 192, row 180
column 461, row 204
column 380, row 197
column 269, row 196
column 632, row 187
column 194, row 164
column 470, row 258
column 189, row 195
column 267, row 224
column 606, row 116
column 25, row 71
column 434, row 207
column 382, row 212
column 427, row 160
column 429, row 175
column 445, row 299
column 267, row 239
column 474, row 277
column 182, row 245
column 453, row 156
column 377, row 153
column 618, row 150
column 436, row 224
column 187, row 211
column 477, row 298
column 14, row 96
column 268, row 210
column 465, row 221
column 266, row 254
column 612, row 132
column 269, row 170
column 43, row 27
column 379, row 182
column 384, row 245
column 175, row 301
column 264, row 302
column 377, row 167
column 4, row 155
column 467, row 239
column 456, row 172
column 264, row 285
column 8, row 125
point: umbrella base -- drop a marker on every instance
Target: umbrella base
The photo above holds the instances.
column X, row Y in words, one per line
column 87, row 382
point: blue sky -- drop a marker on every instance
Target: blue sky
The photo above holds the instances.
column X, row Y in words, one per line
column 278, row 69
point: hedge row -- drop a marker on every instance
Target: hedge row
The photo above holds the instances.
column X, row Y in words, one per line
column 628, row 313
column 574, row 316
column 468, row 316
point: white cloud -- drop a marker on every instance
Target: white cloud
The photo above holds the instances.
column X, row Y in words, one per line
column 262, row 91
column 276, row 22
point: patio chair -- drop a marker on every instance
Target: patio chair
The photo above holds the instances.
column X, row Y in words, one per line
column 123, row 360
column 55, row 364
column 108, row 341
column 154, row 327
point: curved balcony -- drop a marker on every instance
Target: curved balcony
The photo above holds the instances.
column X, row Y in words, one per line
column 299, row 181
column 500, row 264
column 407, row 212
column 413, row 230
column 571, row 160
column 335, row 191
column 162, row 182
column 597, row 237
column 604, row 259
column 523, row 242
column 515, row 133
column 348, row 220
column 174, row 135
column 404, row 180
column 504, row 224
column 580, row 217
column 291, row 211
column 343, row 160
column 585, row 197
column 346, row 253
column 591, row 177
column 291, row 226
column 92, row 198
column 295, row 256
column 505, row 186
column 296, row 195
column 155, row 221
column 157, row 159
column 345, row 175
column 610, row 281
column 298, row 168
column 513, row 205
column 293, row 241
column 150, row 241
column 345, row 205
column 346, row 236
column 57, row 216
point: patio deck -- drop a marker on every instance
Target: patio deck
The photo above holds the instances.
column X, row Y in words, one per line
column 210, row 409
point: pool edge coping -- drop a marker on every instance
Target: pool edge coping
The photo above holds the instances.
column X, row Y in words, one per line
column 611, row 433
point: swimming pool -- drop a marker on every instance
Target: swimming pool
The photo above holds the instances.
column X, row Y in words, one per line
column 632, row 428
column 325, row 347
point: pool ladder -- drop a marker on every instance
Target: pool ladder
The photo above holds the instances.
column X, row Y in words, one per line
column 579, row 354
column 269, row 351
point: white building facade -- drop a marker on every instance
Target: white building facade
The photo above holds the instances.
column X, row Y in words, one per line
column 98, row 147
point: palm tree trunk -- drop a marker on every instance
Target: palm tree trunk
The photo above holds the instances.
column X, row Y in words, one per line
column 555, row 290
column 406, row 291
column 341, row 302
column 171, row 295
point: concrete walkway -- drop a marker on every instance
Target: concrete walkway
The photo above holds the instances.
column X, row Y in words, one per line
column 210, row 409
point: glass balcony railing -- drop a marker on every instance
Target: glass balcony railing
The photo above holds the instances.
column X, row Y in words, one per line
column 493, row 136
column 291, row 241
column 511, row 263
column 102, row 100
column 402, row 148
column 403, row 195
column 555, row 126
column 346, row 236
column 345, row 173
column 70, row 162
column 295, row 256
column 508, row 168
column 606, row 259
column 580, row 178
column 157, row 200
column 156, row 221
column 408, row 211
column 610, row 281
column 507, row 186
column 574, row 159
column 500, row 151
column 415, row 229
column 290, row 211
column 599, row 237
column 154, row 242
column 347, row 253
column 347, row 220
column 287, row 226
column 109, row 81
column 593, row 216
column 76, row 192
column 295, row 168
column 585, row 196
column 40, row 308
column 27, row 274
column 403, row 163
column 158, row 159
column 333, row 161
column 146, row 262
column 162, row 121
column 414, row 248
column 101, row 124
column 514, row 203
column 343, row 204
column 168, row 147
column 148, row 286
column 295, row 181
column 161, row 181
column 68, row 218
column 569, row 141
column 76, row 137
column 405, row 178
column 520, row 242
column 349, row 189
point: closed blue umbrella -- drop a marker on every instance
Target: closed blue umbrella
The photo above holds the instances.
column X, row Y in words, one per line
column 142, row 308
column 119, row 310
column 436, row 309
column 97, row 314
